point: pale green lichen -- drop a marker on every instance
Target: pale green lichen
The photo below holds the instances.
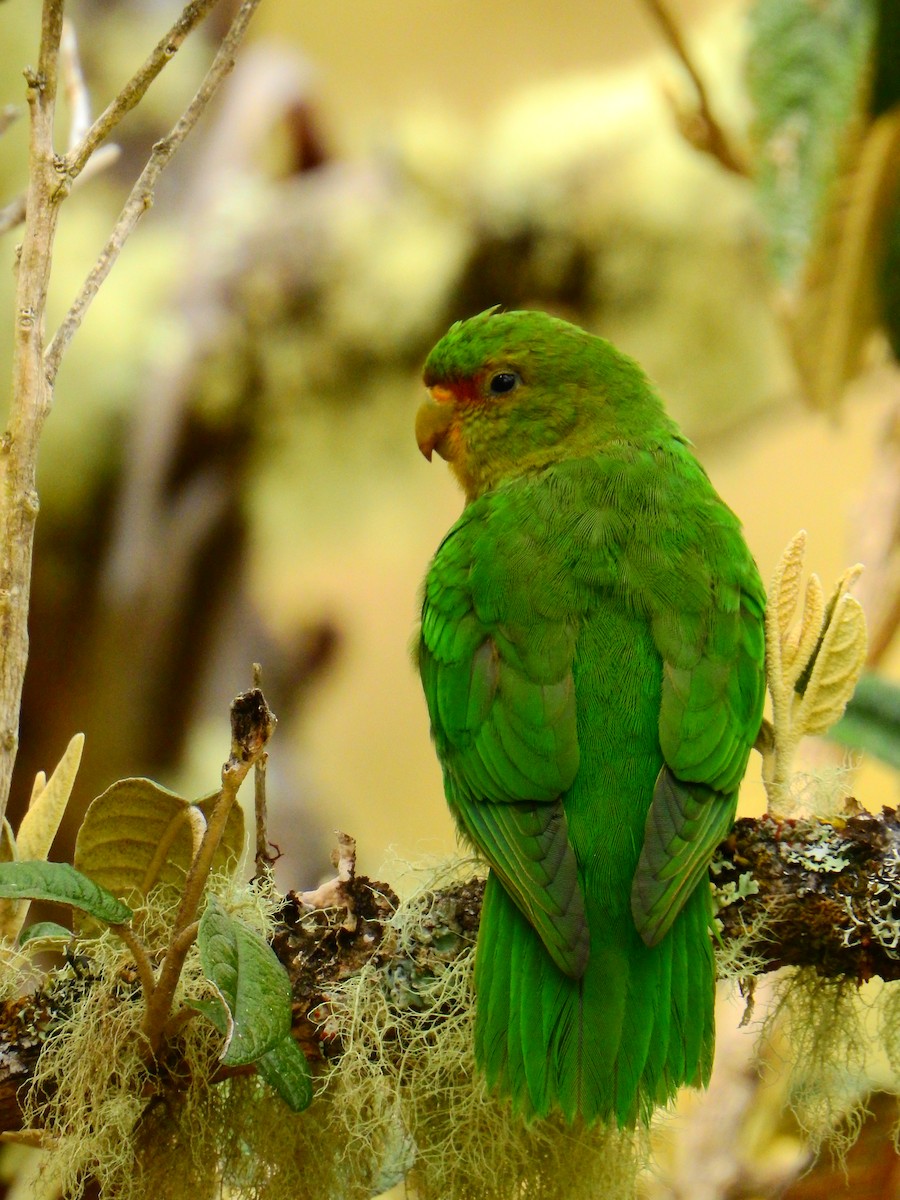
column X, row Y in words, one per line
column 733, row 890
column 875, row 915
column 402, row 1100
column 820, row 851
column 823, row 1026
column 407, row 1094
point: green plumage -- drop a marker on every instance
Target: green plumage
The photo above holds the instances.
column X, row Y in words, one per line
column 592, row 657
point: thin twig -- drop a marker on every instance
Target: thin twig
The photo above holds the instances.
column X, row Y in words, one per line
column 135, row 90
column 178, row 1020
column 252, row 726
column 141, row 197
column 699, row 127
column 262, row 858
column 141, row 958
column 13, row 214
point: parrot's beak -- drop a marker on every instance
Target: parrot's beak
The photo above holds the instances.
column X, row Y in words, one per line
column 433, row 421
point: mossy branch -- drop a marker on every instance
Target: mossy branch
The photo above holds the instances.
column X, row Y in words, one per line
column 790, row 893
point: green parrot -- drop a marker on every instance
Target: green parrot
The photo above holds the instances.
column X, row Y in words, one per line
column 591, row 651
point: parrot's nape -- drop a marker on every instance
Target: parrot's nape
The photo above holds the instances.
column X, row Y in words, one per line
column 591, row 651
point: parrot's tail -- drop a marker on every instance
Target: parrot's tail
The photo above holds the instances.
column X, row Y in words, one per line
column 611, row 1046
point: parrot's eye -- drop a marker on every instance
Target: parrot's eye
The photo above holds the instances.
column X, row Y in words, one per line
column 503, row 381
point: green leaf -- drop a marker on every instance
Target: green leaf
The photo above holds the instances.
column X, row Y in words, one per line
column 138, row 835
column 886, row 75
column 45, row 931
column 285, row 1069
column 65, row 885
column 215, row 1012
column 807, row 73
column 251, row 980
column 872, row 720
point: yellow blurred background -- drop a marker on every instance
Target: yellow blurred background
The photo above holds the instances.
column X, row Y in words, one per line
column 446, row 128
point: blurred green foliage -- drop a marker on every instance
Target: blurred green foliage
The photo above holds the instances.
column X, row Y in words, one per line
column 807, row 65
column 872, row 721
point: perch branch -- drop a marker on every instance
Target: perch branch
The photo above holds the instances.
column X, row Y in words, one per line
column 262, row 859
column 141, row 197
column 791, row 893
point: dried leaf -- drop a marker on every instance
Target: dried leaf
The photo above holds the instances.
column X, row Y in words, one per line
column 48, row 805
column 837, row 307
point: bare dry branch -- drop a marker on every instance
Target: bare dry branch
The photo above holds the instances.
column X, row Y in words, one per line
column 13, row 214
column 699, row 126
column 30, row 390
column 134, row 91
column 141, row 197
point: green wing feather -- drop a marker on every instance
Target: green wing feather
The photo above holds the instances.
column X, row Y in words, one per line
column 502, row 704
column 712, row 698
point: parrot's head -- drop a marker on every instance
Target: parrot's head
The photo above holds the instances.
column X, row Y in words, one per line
column 513, row 392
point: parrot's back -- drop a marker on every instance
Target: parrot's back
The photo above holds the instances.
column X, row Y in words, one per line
column 591, row 653
column 619, row 1040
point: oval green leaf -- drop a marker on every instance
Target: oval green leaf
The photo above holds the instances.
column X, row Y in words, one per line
column 251, row 980
column 45, row 931
column 285, row 1069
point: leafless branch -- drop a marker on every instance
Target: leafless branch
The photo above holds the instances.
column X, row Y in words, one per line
column 30, row 389
column 699, row 125
column 141, row 197
column 34, row 371
column 134, row 91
